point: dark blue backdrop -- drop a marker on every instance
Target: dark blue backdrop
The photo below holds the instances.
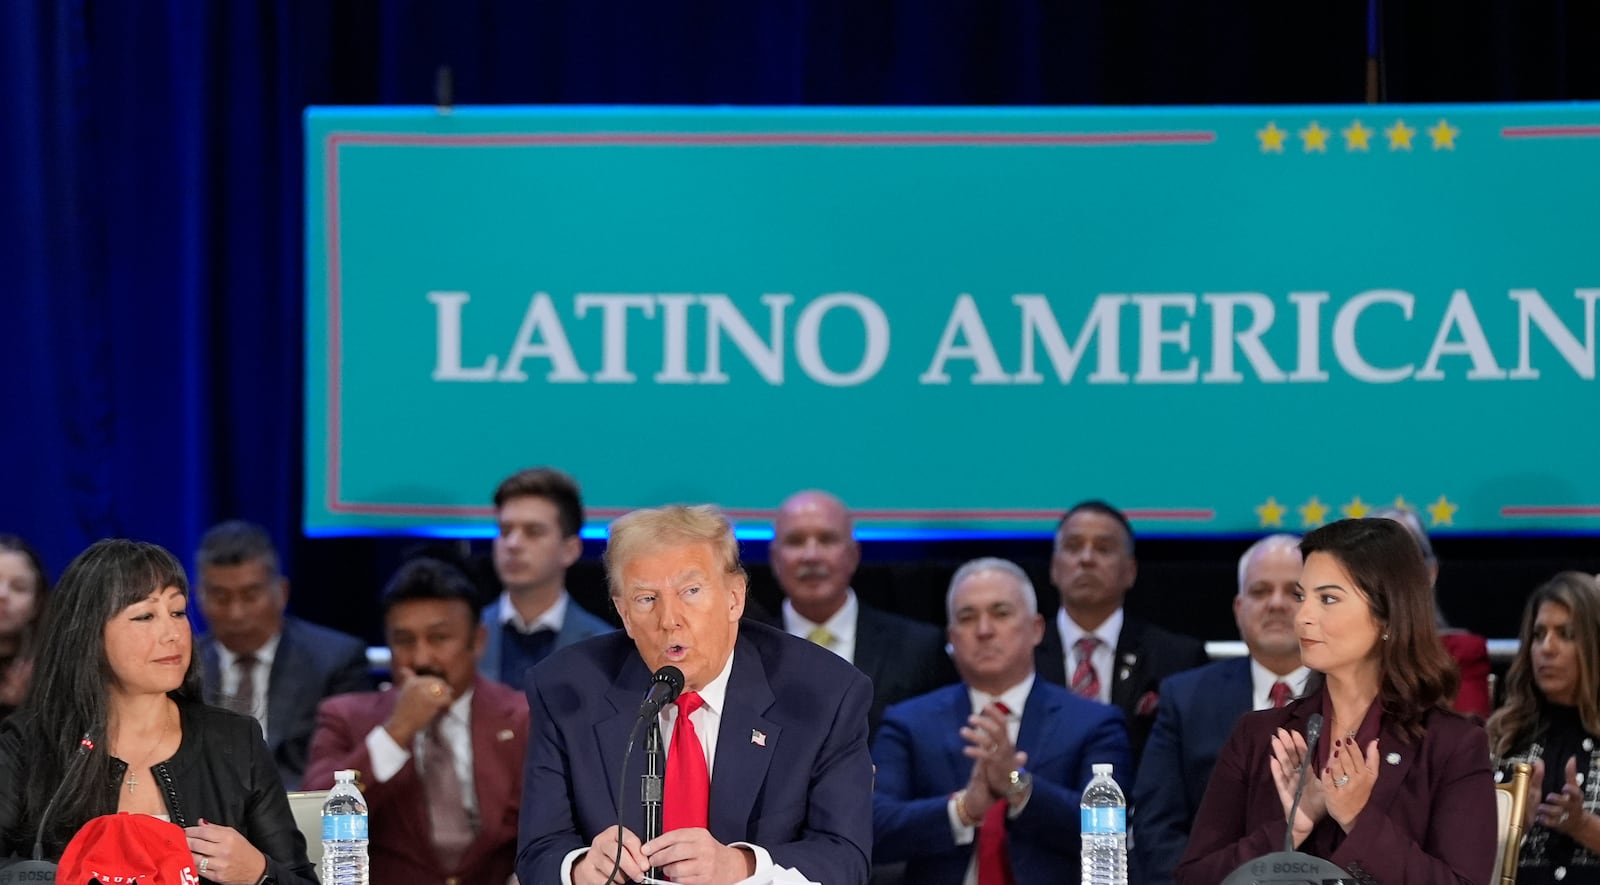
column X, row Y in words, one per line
column 152, row 187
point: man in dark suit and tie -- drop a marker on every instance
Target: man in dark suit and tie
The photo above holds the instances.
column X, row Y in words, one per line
column 1200, row 707
column 980, row 782
column 538, row 515
column 441, row 753
column 766, row 748
column 814, row 555
column 1094, row 648
column 257, row 661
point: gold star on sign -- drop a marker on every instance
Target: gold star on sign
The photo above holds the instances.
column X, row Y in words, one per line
column 1356, row 509
column 1271, row 513
column 1443, row 135
column 1400, row 503
column 1442, row 512
column 1315, row 138
column 1313, row 512
column 1271, row 138
column 1399, row 136
column 1356, row 136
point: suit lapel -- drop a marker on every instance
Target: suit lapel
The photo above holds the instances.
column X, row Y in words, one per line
column 1127, row 664
column 745, row 744
column 625, row 694
column 281, row 684
column 210, row 673
column 1038, row 712
column 956, row 714
column 870, row 644
column 489, row 719
column 1235, row 694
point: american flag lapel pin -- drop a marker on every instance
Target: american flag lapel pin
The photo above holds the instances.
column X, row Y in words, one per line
column 759, row 738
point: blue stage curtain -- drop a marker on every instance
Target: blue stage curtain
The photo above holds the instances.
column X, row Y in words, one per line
column 152, row 185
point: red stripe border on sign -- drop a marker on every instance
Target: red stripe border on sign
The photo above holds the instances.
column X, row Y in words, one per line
column 1551, row 132
column 1560, row 511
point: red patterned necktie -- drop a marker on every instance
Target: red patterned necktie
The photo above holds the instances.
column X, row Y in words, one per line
column 994, row 862
column 1085, row 681
column 688, row 787
column 1280, row 693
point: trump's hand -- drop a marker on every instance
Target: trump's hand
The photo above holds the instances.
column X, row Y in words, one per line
column 1348, row 780
column 422, row 699
column 1288, row 755
column 223, row 855
column 595, row 866
column 693, row 857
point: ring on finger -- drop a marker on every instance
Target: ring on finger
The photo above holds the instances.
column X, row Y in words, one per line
column 1563, row 818
column 993, row 747
column 204, row 862
column 1341, row 780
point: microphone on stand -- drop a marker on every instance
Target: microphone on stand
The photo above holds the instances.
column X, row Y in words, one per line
column 665, row 686
column 1291, row 867
column 652, row 785
column 1307, row 762
column 38, row 869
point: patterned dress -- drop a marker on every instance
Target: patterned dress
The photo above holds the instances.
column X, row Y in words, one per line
column 1549, row 857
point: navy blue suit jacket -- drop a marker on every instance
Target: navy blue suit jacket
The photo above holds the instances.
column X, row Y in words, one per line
column 310, row 663
column 1199, row 709
column 792, row 772
column 919, row 759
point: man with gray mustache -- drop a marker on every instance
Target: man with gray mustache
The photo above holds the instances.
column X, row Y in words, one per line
column 814, row 555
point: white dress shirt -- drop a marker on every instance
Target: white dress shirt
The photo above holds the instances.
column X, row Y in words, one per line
column 707, row 723
column 1104, row 657
column 552, row 619
column 1015, row 698
column 455, row 729
column 842, row 625
column 1262, row 680
column 262, row 675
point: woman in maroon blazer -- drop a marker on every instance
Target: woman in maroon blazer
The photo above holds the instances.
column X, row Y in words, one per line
column 1401, row 790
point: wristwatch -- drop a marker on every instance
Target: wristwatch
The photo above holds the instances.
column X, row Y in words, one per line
column 1019, row 782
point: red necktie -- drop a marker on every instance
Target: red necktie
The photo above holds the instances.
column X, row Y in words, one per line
column 1279, row 694
column 1085, row 681
column 688, row 788
column 994, row 862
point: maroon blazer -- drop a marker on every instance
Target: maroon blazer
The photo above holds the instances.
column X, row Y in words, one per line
column 1431, row 817
column 401, row 846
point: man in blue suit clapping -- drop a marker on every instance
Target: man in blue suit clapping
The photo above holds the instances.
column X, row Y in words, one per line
column 980, row 782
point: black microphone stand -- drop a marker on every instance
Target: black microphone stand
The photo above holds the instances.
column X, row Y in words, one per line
column 651, row 785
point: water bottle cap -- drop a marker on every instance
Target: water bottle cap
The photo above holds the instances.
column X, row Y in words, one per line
column 1102, row 768
column 345, row 774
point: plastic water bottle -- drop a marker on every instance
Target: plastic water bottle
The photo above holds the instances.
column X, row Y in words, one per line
column 344, row 833
column 1104, row 816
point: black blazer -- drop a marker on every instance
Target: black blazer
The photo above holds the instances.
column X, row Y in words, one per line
column 221, row 772
column 903, row 658
column 1145, row 655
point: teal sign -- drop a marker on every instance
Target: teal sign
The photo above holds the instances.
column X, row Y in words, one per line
column 1221, row 319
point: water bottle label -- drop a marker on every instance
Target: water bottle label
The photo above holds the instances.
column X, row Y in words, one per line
column 1104, row 820
column 343, row 827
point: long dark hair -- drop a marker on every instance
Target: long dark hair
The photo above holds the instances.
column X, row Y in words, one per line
column 14, row 544
column 1518, row 721
column 1416, row 674
column 72, row 680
